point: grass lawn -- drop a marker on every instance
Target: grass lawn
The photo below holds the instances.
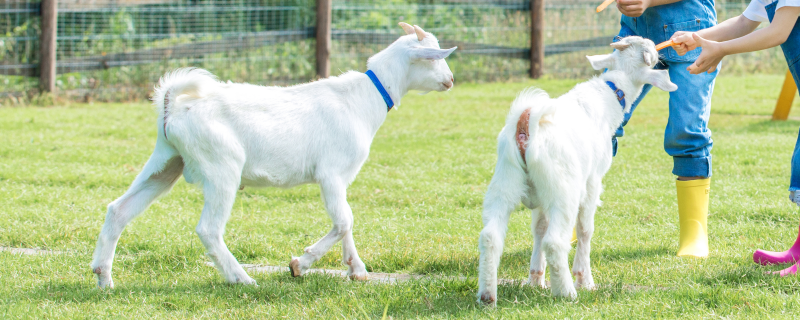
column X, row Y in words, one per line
column 417, row 206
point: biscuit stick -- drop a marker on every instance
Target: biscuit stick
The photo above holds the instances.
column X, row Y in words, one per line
column 665, row 44
column 603, row 5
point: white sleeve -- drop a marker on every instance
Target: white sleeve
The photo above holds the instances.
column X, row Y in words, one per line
column 756, row 11
column 788, row 3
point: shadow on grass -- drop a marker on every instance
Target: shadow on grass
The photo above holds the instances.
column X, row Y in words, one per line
column 752, row 276
column 458, row 265
column 762, row 215
column 281, row 290
column 769, row 126
column 631, row 253
column 467, row 264
column 437, row 297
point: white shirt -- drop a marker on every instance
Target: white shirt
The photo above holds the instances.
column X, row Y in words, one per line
column 757, row 11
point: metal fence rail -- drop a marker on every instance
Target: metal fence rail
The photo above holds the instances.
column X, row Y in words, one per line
column 117, row 49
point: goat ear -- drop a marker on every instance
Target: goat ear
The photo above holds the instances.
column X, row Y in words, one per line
column 660, row 79
column 431, row 53
column 420, row 33
column 407, row 27
column 621, row 45
column 648, row 58
column 603, row 61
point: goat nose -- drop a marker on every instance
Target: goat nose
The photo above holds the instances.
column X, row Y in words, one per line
column 448, row 84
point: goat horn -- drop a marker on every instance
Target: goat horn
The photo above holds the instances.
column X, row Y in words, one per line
column 407, row 28
column 420, row 32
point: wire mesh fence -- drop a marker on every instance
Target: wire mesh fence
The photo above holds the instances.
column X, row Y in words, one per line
column 117, row 49
column 492, row 36
column 19, row 45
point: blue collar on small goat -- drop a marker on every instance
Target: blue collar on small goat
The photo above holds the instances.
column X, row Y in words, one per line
column 618, row 92
column 379, row 86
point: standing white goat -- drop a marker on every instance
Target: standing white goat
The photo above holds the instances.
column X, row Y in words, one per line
column 226, row 136
column 552, row 155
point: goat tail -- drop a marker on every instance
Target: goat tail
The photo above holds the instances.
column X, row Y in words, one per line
column 193, row 82
column 538, row 101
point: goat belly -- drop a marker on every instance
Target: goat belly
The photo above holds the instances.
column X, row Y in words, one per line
column 522, row 132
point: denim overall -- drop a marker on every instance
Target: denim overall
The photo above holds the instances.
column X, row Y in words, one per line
column 687, row 137
column 791, row 50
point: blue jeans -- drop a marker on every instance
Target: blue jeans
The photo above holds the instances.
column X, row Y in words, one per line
column 791, row 50
column 687, row 137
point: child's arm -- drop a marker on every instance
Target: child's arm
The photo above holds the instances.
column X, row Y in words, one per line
column 729, row 29
column 773, row 35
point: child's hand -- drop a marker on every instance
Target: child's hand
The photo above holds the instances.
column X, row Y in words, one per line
column 710, row 57
column 633, row 8
column 685, row 41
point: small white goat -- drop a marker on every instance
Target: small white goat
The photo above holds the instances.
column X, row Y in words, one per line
column 552, row 155
column 226, row 136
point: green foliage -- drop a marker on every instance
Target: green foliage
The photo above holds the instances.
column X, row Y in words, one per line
column 100, row 33
column 417, row 206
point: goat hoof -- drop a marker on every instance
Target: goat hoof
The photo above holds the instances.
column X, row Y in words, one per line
column 104, row 283
column 585, row 285
column 536, row 279
column 356, row 270
column 487, row 298
column 583, row 281
column 359, row 276
column 569, row 293
column 104, row 280
column 294, row 268
column 245, row 280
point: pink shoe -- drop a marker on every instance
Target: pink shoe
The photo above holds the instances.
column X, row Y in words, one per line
column 789, row 256
column 790, row 271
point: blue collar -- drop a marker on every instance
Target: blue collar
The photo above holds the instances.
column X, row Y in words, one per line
column 379, row 86
column 618, row 92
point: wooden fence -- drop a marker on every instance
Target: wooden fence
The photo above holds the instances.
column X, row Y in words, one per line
column 48, row 67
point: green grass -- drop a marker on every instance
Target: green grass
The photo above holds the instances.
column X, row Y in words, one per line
column 417, row 205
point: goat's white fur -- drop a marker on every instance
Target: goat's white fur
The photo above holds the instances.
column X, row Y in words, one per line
column 569, row 151
column 223, row 136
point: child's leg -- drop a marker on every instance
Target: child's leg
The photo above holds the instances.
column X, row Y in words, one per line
column 794, row 183
column 688, row 140
column 791, row 51
column 687, row 137
column 793, row 254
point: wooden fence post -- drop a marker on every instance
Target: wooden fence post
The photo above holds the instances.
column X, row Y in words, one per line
column 47, row 46
column 537, row 38
column 323, row 38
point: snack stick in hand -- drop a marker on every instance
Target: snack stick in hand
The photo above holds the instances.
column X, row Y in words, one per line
column 603, row 5
column 665, row 44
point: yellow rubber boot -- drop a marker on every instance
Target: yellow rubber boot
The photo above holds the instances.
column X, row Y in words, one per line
column 693, row 211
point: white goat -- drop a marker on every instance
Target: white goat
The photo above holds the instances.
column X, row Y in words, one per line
column 226, row 136
column 552, row 155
